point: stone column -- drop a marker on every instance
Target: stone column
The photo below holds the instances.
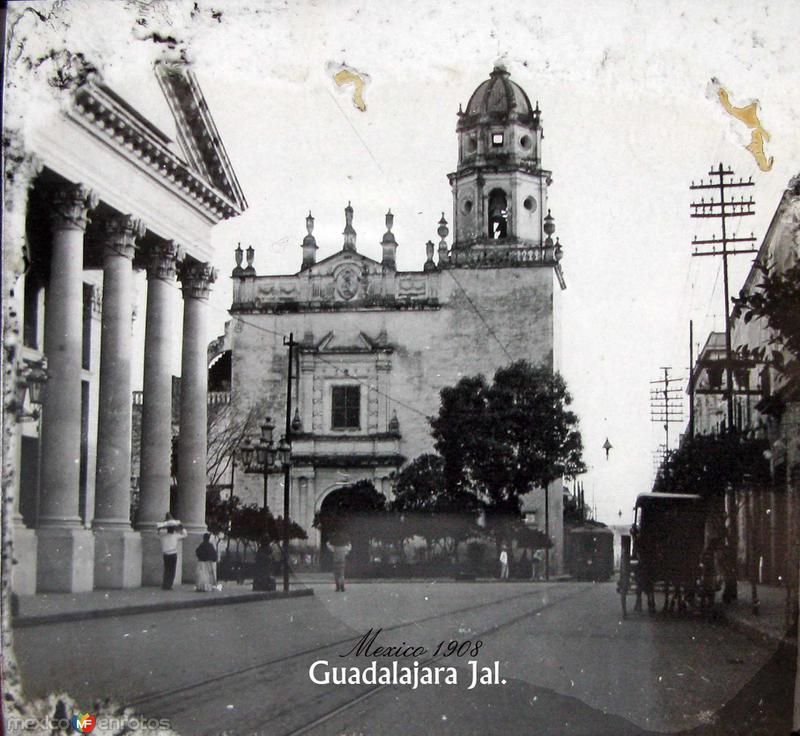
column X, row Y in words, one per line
column 65, row 548
column 192, row 441
column 19, row 548
column 156, row 433
column 118, row 549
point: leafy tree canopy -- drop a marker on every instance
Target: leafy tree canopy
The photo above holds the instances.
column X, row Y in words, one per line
column 709, row 464
column 776, row 300
column 504, row 439
column 420, row 488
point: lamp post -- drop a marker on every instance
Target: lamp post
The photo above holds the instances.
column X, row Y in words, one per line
column 264, row 455
column 259, row 457
column 285, row 459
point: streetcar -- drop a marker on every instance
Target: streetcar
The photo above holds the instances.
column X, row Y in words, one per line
column 663, row 551
column 589, row 552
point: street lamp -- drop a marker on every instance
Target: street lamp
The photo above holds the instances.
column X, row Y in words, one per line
column 259, row 457
column 32, row 379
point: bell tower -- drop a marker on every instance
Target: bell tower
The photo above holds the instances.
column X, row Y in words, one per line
column 500, row 210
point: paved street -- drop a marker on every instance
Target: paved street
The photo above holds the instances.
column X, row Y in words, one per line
column 571, row 665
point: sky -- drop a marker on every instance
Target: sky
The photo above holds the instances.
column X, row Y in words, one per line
column 628, row 124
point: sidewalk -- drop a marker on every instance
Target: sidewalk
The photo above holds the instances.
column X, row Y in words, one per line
column 770, row 622
column 326, row 578
column 48, row 608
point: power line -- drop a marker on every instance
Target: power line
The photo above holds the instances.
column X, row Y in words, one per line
column 723, row 209
column 173, row 284
column 478, row 312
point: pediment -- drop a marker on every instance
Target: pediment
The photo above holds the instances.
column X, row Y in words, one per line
column 349, row 343
column 196, row 132
column 328, row 266
column 166, row 124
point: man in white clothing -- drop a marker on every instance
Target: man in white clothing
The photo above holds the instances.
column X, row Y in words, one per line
column 504, row 564
column 170, row 532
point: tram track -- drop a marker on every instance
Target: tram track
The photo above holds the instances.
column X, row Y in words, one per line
column 376, row 689
column 149, row 697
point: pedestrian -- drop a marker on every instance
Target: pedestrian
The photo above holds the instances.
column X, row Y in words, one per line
column 504, row 563
column 170, row 532
column 206, row 576
column 262, row 571
column 340, row 548
column 537, row 564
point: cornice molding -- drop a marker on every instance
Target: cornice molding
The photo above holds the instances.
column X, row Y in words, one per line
column 123, row 130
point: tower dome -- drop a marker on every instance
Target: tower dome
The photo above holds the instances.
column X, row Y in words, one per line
column 498, row 99
column 499, row 186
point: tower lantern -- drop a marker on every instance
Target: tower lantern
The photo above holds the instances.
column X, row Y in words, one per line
column 499, row 187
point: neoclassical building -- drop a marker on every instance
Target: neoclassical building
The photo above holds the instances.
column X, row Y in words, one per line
column 378, row 344
column 96, row 195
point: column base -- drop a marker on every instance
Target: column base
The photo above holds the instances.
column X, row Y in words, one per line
column 189, row 562
column 65, row 560
column 153, row 561
column 117, row 558
column 23, row 570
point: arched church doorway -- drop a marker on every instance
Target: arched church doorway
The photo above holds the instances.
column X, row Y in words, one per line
column 349, row 513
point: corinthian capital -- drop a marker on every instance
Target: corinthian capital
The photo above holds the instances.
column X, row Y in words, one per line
column 71, row 204
column 163, row 260
column 120, row 233
column 196, row 280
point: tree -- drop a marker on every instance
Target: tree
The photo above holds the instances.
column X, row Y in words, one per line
column 252, row 524
column 709, row 465
column 350, row 511
column 503, row 440
column 227, row 429
column 713, row 466
column 220, row 512
column 776, row 301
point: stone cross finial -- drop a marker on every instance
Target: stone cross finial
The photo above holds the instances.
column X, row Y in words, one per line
column 349, row 233
column 309, row 243
column 429, row 264
column 443, row 232
column 250, row 270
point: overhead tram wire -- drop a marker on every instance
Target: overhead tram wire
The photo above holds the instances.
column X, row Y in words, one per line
column 478, row 312
column 402, row 200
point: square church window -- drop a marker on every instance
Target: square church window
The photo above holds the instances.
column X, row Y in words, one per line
column 346, row 407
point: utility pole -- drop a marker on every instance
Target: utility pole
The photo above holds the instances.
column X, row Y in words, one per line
column 691, row 378
column 287, row 466
column 722, row 209
column 666, row 403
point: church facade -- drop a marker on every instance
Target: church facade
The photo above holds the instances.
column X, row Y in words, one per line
column 376, row 345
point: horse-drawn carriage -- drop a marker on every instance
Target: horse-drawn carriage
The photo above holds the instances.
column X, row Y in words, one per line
column 666, row 551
